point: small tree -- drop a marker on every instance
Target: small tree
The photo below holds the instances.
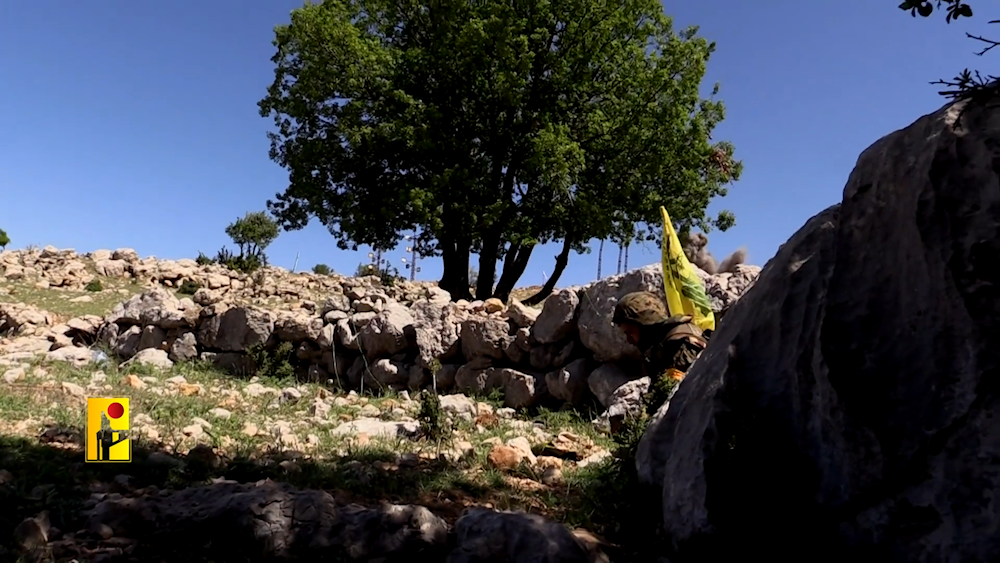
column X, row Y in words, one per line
column 4, row 239
column 321, row 269
column 252, row 233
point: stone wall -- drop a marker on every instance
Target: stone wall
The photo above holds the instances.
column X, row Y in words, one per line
column 360, row 333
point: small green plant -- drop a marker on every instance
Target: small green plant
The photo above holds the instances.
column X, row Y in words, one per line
column 203, row 260
column 94, row 285
column 431, row 416
column 239, row 262
column 388, row 275
column 277, row 363
column 189, row 287
column 659, row 392
column 321, row 269
column 4, row 239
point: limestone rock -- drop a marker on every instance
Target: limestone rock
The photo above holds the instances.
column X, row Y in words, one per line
column 558, row 317
column 486, row 535
column 851, row 390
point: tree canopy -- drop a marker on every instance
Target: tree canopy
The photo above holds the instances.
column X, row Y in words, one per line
column 493, row 126
column 252, row 233
column 4, row 239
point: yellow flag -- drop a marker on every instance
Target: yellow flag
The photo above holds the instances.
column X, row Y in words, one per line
column 685, row 293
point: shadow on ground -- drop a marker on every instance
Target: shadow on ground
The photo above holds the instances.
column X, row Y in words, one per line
column 48, row 477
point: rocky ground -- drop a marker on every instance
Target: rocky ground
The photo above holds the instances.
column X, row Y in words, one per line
column 384, row 474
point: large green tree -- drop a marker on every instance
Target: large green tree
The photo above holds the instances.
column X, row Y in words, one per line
column 492, row 126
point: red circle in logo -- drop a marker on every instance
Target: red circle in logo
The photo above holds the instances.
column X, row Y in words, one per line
column 116, row 410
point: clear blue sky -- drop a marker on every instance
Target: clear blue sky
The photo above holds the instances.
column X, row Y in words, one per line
column 134, row 124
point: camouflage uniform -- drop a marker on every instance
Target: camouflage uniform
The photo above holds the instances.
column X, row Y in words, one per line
column 669, row 344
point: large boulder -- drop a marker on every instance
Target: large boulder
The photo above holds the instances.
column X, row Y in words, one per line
column 597, row 306
column 851, row 392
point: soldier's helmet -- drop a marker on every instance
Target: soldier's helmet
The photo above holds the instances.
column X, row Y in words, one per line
column 640, row 307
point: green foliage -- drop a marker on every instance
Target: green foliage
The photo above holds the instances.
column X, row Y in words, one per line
column 4, row 239
column 387, row 275
column 659, row 392
column 252, row 233
column 321, row 269
column 431, row 416
column 492, row 127
column 189, row 287
column 203, row 260
column 278, row 363
column 239, row 262
column 94, row 285
column 631, row 507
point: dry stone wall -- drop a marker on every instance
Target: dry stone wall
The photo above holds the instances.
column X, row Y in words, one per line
column 356, row 332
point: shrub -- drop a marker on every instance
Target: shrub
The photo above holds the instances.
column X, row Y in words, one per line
column 203, row 260
column 94, row 285
column 387, row 275
column 4, row 239
column 277, row 363
column 189, row 287
column 240, row 262
column 321, row 269
column 431, row 416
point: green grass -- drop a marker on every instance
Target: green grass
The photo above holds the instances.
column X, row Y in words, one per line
column 601, row 497
column 60, row 301
column 368, row 471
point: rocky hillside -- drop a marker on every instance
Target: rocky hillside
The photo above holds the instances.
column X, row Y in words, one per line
column 327, row 414
column 354, row 332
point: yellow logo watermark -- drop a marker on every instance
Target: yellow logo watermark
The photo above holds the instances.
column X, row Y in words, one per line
column 108, row 430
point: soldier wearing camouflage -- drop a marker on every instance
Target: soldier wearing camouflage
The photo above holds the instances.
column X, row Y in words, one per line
column 670, row 344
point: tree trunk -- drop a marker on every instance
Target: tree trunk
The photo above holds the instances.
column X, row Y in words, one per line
column 513, row 268
column 455, row 277
column 561, row 261
column 600, row 258
column 487, row 266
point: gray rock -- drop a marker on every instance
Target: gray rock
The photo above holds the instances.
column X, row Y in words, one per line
column 272, row 520
column 558, row 317
column 184, row 347
column 126, row 343
column 236, row 329
column 605, row 379
column 520, row 389
column 155, row 306
column 389, row 332
column 521, row 315
column 485, row 535
column 485, row 337
column 152, row 336
column 385, row 372
column 458, row 404
column 851, row 390
column 570, row 383
column 151, row 357
column 377, row 427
